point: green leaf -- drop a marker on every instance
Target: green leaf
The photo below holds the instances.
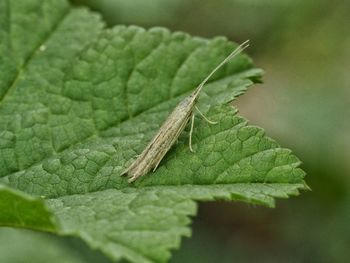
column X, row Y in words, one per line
column 78, row 102
column 22, row 210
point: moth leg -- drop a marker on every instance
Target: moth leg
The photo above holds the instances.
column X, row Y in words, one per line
column 191, row 131
column 209, row 121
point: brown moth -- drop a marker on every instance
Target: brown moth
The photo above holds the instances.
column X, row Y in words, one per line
column 171, row 129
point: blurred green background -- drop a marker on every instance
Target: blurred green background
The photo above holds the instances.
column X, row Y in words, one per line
column 304, row 47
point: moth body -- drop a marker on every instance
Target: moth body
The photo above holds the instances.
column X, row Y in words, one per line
column 166, row 136
column 171, row 129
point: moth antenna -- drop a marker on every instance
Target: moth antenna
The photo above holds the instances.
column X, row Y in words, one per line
column 234, row 53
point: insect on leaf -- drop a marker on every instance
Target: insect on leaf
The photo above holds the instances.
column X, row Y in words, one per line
column 78, row 101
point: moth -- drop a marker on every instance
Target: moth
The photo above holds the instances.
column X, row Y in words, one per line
column 171, row 129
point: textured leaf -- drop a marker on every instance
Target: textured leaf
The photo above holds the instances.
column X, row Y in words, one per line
column 78, row 102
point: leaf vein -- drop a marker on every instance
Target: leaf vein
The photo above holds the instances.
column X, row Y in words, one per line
column 32, row 56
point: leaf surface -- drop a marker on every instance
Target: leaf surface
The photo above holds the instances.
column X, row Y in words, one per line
column 24, row 211
column 79, row 102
